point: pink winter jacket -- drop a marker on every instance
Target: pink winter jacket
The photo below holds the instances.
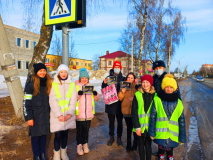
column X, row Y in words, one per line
column 55, row 111
column 85, row 104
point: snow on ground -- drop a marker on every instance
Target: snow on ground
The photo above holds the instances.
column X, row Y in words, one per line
column 96, row 79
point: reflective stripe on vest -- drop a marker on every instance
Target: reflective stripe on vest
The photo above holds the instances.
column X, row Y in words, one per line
column 77, row 103
column 63, row 102
column 143, row 117
column 167, row 128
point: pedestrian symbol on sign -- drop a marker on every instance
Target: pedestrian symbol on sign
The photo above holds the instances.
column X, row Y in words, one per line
column 60, row 8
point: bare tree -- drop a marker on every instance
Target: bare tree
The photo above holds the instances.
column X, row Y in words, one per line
column 141, row 7
column 175, row 31
column 72, row 52
column 96, row 61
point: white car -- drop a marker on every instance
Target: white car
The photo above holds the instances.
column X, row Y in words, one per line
column 200, row 79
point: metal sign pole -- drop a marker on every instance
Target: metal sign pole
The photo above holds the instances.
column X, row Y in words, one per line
column 65, row 44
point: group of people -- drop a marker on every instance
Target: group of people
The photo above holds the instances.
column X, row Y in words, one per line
column 56, row 106
column 152, row 110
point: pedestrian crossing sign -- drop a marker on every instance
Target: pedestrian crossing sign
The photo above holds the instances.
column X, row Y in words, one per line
column 60, row 11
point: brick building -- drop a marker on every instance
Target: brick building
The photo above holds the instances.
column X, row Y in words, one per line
column 106, row 62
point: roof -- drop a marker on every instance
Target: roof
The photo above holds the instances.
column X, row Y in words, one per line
column 20, row 30
column 115, row 54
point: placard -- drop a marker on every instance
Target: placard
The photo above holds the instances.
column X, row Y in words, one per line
column 87, row 89
column 111, row 80
column 126, row 85
column 110, row 94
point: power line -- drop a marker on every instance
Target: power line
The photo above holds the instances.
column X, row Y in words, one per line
column 96, row 43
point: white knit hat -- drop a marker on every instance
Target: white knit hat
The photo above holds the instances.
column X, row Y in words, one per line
column 62, row 67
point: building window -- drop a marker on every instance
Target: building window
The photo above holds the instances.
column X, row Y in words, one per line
column 54, row 60
column 77, row 63
column 72, row 63
column 27, row 65
column 47, row 60
column 34, row 44
column 82, row 64
column 19, row 64
column 89, row 65
column 27, row 43
column 85, row 64
column 19, row 42
column 109, row 63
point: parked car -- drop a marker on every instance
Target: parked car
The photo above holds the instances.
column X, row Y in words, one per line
column 200, row 79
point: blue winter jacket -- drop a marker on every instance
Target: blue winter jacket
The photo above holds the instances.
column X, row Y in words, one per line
column 169, row 108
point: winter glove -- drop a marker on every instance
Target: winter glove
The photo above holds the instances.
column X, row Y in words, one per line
column 95, row 93
column 80, row 93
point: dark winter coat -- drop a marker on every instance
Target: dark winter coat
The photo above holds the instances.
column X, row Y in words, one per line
column 158, row 81
column 37, row 109
column 114, row 108
column 147, row 98
column 169, row 105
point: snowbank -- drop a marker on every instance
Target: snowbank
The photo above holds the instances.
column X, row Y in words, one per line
column 96, row 79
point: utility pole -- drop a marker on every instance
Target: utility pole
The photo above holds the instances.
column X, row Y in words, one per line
column 65, row 45
column 132, row 56
column 179, row 69
column 10, row 72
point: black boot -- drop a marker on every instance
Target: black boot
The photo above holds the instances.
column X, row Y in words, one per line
column 111, row 141
column 43, row 157
column 36, row 158
column 128, row 146
column 135, row 142
column 119, row 142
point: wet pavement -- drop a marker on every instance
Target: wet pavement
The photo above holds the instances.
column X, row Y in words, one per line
column 202, row 105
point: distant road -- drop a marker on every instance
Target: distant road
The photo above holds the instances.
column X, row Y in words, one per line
column 208, row 82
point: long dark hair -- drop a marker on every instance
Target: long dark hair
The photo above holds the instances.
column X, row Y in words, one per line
column 130, row 73
column 36, row 81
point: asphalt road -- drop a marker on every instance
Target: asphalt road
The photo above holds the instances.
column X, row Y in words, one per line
column 208, row 82
column 200, row 100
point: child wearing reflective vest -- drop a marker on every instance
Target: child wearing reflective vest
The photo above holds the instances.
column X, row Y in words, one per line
column 167, row 122
column 37, row 110
column 141, row 109
column 63, row 98
column 85, row 110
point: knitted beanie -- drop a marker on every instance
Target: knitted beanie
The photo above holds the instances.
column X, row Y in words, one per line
column 158, row 64
column 38, row 66
column 117, row 63
column 62, row 67
column 83, row 73
column 148, row 78
column 169, row 80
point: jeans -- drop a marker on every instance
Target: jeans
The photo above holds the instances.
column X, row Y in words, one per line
column 38, row 145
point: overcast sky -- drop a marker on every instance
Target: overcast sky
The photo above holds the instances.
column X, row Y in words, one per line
column 104, row 29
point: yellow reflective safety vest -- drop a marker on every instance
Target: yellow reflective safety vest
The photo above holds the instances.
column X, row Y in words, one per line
column 63, row 103
column 77, row 103
column 167, row 128
column 143, row 117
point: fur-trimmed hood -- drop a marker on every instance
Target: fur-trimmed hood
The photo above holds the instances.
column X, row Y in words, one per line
column 152, row 91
